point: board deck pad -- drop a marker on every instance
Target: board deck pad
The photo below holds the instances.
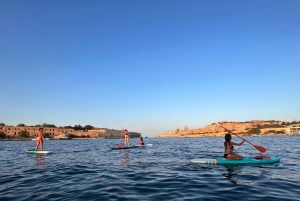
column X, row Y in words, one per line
column 33, row 151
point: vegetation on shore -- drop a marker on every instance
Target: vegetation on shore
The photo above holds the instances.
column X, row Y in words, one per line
column 75, row 127
column 2, row 135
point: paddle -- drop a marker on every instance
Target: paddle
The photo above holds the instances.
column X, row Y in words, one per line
column 120, row 143
column 43, row 139
column 259, row 148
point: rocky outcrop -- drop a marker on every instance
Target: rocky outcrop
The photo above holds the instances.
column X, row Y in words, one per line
column 215, row 130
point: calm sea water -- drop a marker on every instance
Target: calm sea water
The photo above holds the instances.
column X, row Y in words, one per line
column 89, row 170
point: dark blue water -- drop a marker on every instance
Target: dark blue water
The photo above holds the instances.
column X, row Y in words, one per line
column 89, row 170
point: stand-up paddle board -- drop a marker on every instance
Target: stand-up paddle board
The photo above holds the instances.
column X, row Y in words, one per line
column 124, row 147
column 244, row 161
column 145, row 145
column 33, row 151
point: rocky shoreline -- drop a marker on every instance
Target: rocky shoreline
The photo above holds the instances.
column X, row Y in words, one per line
column 248, row 128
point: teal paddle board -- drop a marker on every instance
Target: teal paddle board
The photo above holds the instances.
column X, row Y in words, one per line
column 244, row 161
column 33, row 151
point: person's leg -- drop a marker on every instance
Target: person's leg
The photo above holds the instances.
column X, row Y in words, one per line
column 37, row 144
column 42, row 144
column 234, row 157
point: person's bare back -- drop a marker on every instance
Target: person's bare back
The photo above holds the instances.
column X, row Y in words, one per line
column 39, row 139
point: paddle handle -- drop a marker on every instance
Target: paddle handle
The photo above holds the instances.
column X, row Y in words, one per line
column 242, row 138
column 236, row 134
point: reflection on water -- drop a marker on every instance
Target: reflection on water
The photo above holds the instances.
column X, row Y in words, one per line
column 230, row 175
column 126, row 159
column 40, row 160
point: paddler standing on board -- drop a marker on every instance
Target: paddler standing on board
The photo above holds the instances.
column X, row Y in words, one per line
column 39, row 139
column 126, row 134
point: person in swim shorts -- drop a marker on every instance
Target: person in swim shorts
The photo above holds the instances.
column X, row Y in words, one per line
column 39, row 139
column 229, row 149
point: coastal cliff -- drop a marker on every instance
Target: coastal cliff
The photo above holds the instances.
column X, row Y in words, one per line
column 260, row 127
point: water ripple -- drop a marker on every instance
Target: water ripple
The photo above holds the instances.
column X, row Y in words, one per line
column 89, row 170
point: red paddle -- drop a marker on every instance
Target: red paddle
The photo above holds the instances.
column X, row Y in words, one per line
column 120, row 143
column 259, row 148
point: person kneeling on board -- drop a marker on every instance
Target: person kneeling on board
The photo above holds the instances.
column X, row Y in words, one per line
column 119, row 145
column 229, row 150
column 141, row 142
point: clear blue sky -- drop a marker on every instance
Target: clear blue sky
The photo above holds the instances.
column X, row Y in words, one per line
column 149, row 66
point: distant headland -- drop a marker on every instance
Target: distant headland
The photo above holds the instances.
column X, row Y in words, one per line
column 247, row 128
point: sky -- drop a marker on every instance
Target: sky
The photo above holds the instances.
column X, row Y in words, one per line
column 149, row 66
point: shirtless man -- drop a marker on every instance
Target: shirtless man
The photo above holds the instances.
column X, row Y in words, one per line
column 39, row 139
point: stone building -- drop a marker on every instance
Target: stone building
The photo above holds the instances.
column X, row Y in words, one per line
column 294, row 128
column 13, row 131
column 112, row 133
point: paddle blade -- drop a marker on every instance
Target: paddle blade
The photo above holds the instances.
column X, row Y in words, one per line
column 260, row 148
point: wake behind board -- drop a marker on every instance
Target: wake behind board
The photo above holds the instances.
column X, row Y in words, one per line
column 244, row 161
column 114, row 148
column 33, row 151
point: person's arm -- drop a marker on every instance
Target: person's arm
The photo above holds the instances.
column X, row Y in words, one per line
column 238, row 144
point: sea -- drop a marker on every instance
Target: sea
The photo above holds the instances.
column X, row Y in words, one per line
column 90, row 170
